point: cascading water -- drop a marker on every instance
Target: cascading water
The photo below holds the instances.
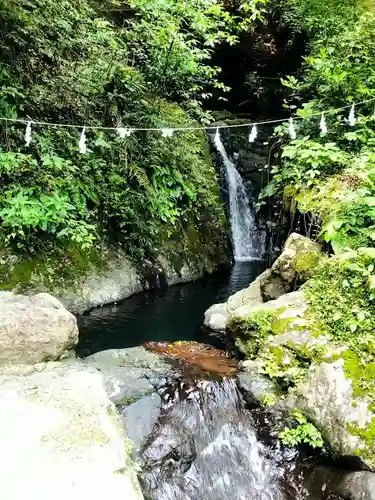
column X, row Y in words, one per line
column 247, row 241
column 205, row 448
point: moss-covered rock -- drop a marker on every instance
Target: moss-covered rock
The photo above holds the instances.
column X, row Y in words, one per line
column 327, row 396
column 294, row 266
column 332, row 385
column 83, row 280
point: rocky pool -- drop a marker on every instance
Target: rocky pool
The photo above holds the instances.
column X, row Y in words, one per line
column 197, row 431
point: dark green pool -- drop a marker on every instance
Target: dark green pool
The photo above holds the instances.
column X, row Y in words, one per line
column 172, row 314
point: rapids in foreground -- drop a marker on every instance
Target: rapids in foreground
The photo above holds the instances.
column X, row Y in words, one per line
column 205, row 447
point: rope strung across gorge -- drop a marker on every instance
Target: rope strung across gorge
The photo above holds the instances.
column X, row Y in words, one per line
column 182, row 129
column 166, row 132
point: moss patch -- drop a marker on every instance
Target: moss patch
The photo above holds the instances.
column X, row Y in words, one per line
column 61, row 269
column 305, row 264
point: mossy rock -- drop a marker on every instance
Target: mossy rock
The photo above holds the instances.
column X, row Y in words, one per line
column 333, row 386
column 328, row 397
column 294, row 267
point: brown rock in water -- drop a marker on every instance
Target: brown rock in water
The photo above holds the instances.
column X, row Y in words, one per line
column 205, row 357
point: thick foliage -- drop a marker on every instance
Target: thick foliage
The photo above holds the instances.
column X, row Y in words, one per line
column 339, row 70
column 112, row 63
column 332, row 175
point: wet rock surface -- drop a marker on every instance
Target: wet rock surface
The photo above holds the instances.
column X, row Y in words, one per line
column 200, row 356
column 130, row 374
column 205, row 447
column 140, row 418
column 334, row 484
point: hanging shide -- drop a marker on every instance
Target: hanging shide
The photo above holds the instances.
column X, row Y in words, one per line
column 168, row 132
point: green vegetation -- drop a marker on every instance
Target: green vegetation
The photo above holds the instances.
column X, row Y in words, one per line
column 112, row 63
column 303, row 433
column 257, row 327
column 331, row 176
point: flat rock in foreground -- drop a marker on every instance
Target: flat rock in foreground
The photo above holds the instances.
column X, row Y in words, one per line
column 62, row 438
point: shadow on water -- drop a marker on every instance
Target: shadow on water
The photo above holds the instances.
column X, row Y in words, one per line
column 169, row 314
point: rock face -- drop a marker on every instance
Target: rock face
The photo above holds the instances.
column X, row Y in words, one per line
column 121, row 279
column 326, row 397
column 61, row 434
column 34, row 329
column 109, row 275
column 131, row 379
column 315, row 374
column 290, row 270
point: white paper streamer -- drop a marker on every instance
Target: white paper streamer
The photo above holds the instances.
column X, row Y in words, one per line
column 28, row 134
column 124, row 132
column 323, row 124
column 253, row 134
column 292, row 130
column 167, row 132
column 352, row 118
column 82, row 142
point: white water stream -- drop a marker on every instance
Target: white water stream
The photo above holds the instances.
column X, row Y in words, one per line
column 207, row 449
column 246, row 240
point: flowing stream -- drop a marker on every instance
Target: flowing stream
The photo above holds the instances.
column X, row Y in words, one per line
column 247, row 241
column 206, row 444
column 205, row 448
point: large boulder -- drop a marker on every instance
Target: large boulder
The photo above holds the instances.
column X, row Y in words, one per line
column 294, row 266
column 35, row 329
column 61, row 436
column 317, row 376
column 357, row 486
column 328, row 483
column 327, row 398
column 290, row 270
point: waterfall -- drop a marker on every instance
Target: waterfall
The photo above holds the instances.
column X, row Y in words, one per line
column 246, row 240
column 205, row 447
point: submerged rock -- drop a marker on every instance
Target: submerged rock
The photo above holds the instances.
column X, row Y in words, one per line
column 206, row 447
column 35, row 329
column 290, row 270
column 60, row 433
column 205, row 357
